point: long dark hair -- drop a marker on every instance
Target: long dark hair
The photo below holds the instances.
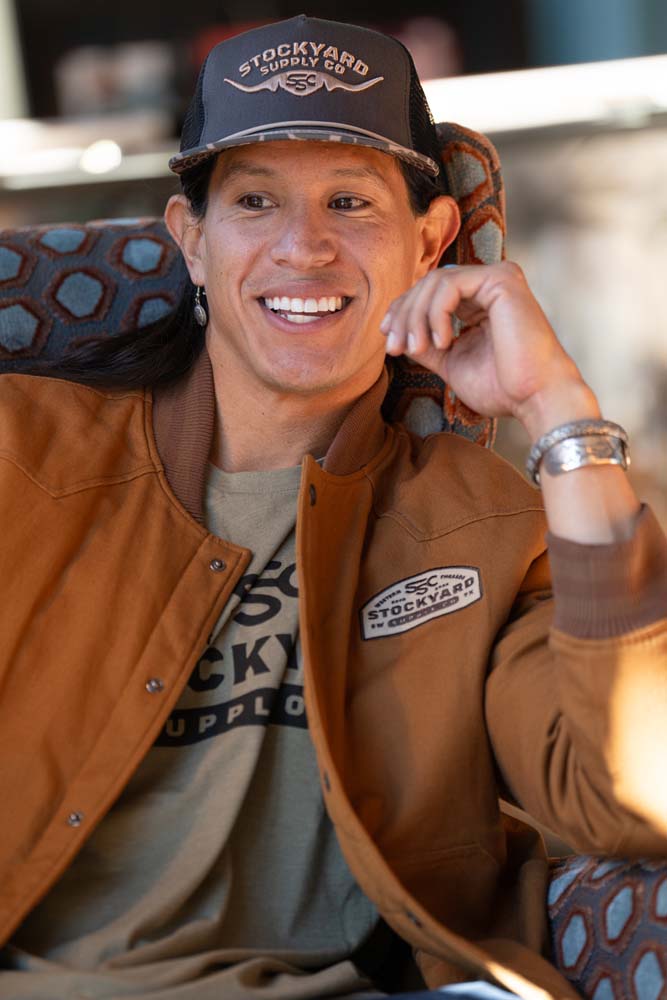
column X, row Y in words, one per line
column 165, row 350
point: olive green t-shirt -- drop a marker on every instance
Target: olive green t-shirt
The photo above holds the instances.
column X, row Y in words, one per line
column 217, row 873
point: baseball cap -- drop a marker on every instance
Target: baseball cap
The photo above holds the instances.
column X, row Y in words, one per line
column 310, row 79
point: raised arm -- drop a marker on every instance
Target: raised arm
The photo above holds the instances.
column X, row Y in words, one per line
column 577, row 694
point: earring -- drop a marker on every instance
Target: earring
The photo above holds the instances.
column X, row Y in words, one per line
column 199, row 312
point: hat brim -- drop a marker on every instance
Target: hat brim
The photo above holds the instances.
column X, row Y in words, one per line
column 191, row 157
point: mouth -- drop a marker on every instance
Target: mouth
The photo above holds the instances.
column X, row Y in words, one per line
column 299, row 311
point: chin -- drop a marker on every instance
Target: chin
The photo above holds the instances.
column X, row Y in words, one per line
column 303, row 376
column 303, row 383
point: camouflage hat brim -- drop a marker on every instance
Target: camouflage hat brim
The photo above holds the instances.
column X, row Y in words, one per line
column 192, row 157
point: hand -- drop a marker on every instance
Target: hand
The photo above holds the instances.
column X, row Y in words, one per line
column 507, row 359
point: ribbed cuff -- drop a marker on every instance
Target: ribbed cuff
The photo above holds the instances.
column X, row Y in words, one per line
column 601, row 591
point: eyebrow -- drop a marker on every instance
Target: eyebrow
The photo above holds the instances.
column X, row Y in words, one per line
column 370, row 173
column 248, row 169
column 231, row 170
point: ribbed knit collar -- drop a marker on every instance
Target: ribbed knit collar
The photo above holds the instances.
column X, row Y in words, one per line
column 184, row 420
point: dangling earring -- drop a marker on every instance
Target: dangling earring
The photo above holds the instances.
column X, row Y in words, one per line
column 199, row 312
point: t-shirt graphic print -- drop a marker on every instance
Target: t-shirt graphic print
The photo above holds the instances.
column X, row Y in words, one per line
column 253, row 678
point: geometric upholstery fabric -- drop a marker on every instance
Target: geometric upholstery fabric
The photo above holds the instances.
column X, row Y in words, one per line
column 608, row 925
column 63, row 284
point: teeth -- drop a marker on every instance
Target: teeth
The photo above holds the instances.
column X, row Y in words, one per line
column 299, row 318
column 284, row 304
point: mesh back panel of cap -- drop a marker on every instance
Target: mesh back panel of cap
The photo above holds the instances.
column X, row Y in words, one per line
column 193, row 123
column 422, row 126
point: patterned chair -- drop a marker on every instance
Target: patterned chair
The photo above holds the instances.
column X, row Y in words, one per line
column 67, row 283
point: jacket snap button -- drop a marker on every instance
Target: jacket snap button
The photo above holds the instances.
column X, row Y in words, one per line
column 217, row 565
column 313, row 495
column 413, row 917
column 75, row 819
column 154, row 685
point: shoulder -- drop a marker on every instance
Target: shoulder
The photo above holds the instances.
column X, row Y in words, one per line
column 43, row 388
column 51, row 427
column 33, row 402
column 445, row 481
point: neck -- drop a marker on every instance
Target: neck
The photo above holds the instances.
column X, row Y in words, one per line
column 259, row 427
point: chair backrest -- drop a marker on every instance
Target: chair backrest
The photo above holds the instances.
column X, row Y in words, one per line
column 61, row 284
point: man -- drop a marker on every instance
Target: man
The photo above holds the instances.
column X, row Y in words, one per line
column 180, row 832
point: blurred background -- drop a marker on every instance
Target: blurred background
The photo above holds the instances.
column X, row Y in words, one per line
column 572, row 92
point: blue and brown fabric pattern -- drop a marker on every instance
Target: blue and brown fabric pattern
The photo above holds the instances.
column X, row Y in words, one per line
column 63, row 284
column 608, row 926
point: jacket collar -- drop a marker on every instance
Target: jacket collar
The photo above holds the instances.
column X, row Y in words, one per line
column 184, row 421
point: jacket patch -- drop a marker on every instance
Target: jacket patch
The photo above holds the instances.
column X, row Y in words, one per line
column 418, row 599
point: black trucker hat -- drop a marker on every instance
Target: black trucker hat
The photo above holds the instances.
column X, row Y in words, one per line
column 306, row 78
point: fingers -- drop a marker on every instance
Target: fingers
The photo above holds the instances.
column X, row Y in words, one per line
column 410, row 326
column 421, row 318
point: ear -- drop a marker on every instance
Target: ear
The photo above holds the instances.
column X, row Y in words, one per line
column 187, row 233
column 440, row 226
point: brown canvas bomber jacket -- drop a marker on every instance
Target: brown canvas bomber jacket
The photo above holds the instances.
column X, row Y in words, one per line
column 438, row 671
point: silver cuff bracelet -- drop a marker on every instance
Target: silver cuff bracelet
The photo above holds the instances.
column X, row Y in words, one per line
column 579, row 443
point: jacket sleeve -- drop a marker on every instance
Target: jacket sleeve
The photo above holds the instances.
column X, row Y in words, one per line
column 576, row 699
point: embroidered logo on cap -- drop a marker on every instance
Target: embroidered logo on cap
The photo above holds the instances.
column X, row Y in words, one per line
column 418, row 599
column 303, row 68
column 303, row 82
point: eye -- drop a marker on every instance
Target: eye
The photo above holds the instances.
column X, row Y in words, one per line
column 255, row 202
column 347, row 203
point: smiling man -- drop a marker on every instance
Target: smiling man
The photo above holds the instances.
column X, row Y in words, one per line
column 269, row 661
column 300, row 253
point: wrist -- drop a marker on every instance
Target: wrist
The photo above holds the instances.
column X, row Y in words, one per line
column 551, row 407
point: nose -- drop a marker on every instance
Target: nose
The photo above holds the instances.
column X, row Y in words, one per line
column 305, row 240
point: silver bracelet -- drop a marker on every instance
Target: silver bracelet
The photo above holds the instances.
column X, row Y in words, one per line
column 613, row 452
column 573, row 453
